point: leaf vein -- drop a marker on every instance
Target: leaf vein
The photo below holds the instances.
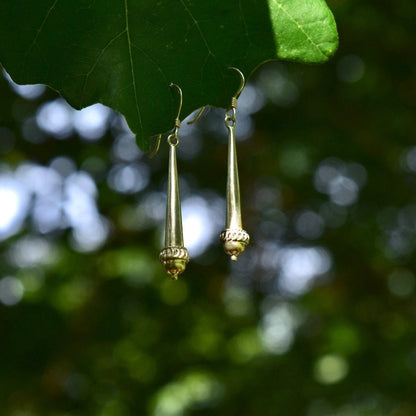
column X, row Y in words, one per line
column 43, row 24
column 158, row 67
column 87, row 75
column 38, row 31
column 198, row 27
column 300, row 27
column 127, row 30
column 243, row 18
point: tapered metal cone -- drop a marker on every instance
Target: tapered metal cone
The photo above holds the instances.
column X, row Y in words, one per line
column 234, row 239
column 174, row 256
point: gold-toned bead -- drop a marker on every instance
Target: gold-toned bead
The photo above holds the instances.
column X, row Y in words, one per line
column 174, row 260
column 234, row 241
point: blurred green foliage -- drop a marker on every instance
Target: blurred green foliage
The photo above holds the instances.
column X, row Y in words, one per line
column 317, row 318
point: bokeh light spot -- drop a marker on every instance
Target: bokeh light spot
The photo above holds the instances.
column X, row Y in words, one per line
column 14, row 205
column 331, row 369
column 300, row 266
column 55, row 118
column 402, row 283
column 194, row 389
column 129, row 179
column 11, row 290
column 201, row 223
column 309, row 225
column 32, row 251
column 91, row 122
column 278, row 326
column 29, row 92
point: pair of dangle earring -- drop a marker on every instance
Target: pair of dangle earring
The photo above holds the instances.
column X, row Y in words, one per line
column 234, row 238
column 174, row 256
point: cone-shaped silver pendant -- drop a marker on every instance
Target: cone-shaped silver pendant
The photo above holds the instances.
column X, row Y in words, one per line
column 174, row 256
column 234, row 239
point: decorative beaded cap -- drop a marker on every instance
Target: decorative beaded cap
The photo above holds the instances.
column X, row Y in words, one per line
column 174, row 260
column 234, row 241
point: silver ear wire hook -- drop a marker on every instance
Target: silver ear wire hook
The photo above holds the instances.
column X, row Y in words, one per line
column 177, row 122
column 231, row 110
column 242, row 83
column 177, row 119
column 233, row 99
column 198, row 116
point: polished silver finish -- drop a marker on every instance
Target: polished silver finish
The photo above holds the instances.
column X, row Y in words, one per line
column 234, row 238
column 174, row 256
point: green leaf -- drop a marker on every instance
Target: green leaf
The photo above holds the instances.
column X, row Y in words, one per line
column 125, row 53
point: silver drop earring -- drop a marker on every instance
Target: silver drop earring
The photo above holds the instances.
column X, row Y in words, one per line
column 234, row 238
column 174, row 255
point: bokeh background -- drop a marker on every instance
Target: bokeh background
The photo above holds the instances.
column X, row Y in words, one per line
column 317, row 317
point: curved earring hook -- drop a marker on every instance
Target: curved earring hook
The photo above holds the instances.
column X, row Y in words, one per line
column 235, row 96
column 242, row 83
column 177, row 121
column 180, row 99
column 156, row 149
column 198, row 116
